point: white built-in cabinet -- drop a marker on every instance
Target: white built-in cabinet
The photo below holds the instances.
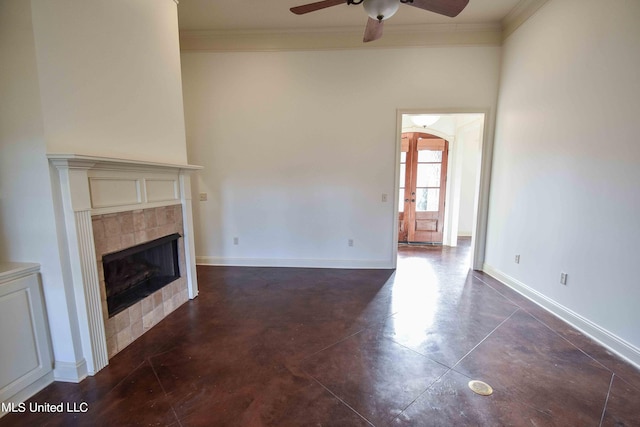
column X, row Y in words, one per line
column 25, row 354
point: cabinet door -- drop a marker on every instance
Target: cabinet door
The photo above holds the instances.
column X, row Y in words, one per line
column 24, row 352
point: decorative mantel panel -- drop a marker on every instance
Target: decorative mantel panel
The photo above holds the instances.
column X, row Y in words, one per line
column 92, row 185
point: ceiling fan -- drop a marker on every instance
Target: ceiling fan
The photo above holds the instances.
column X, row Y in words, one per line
column 380, row 10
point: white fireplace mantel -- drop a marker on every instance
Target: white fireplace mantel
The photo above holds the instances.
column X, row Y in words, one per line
column 91, row 185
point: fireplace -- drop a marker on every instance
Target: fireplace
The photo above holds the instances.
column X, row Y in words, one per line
column 141, row 269
column 135, row 273
column 107, row 205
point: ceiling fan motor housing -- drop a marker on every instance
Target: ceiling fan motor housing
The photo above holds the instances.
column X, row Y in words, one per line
column 381, row 9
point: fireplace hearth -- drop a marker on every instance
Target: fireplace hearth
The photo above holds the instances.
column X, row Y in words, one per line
column 134, row 273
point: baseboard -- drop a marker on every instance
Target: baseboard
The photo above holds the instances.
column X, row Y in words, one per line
column 70, row 372
column 300, row 263
column 29, row 391
column 611, row 341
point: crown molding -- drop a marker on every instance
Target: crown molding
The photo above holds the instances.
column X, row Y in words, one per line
column 340, row 38
column 519, row 15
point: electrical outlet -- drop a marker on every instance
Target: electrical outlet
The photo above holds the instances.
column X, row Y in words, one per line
column 563, row 278
column 517, row 259
column 236, row 241
column 384, row 197
column 203, row 197
column 350, row 242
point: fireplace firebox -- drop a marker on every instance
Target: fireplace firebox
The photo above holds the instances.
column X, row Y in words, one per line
column 134, row 273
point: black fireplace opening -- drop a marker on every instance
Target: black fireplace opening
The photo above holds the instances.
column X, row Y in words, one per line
column 135, row 273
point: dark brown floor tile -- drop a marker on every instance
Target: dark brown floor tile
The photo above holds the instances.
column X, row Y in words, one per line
column 623, row 405
column 536, row 366
column 374, row 375
column 610, row 360
column 450, row 402
column 242, row 351
column 446, row 326
column 138, row 400
column 284, row 400
column 193, row 375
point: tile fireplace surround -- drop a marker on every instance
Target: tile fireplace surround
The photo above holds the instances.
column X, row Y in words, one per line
column 106, row 205
column 122, row 230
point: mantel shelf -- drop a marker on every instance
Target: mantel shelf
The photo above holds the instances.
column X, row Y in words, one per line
column 97, row 162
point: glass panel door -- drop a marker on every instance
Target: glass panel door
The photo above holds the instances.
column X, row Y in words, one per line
column 423, row 171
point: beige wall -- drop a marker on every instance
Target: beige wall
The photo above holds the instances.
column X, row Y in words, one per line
column 564, row 191
column 27, row 221
column 298, row 147
column 110, row 81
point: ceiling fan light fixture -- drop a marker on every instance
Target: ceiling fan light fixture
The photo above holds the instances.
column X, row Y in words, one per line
column 381, row 9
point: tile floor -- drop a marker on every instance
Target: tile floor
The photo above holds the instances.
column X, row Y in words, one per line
column 313, row 347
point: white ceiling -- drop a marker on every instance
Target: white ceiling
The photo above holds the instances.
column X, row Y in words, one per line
column 274, row 15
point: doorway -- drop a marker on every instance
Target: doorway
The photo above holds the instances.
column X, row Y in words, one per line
column 423, row 176
column 463, row 181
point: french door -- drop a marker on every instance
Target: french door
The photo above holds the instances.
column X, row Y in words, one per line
column 423, row 175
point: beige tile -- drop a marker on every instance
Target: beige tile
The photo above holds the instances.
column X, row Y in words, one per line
column 167, row 293
column 122, row 320
column 184, row 296
column 181, row 256
column 161, row 216
column 100, row 269
column 135, row 313
column 110, row 328
column 178, row 215
column 112, row 346
column 150, row 218
column 103, row 290
column 126, row 222
column 139, row 222
column 176, row 287
column 124, row 338
column 127, row 240
column 147, row 321
column 147, row 305
column 158, row 313
column 168, row 306
column 100, row 244
column 157, row 298
column 113, row 244
column 137, row 329
column 176, row 301
column 141, row 237
column 111, row 225
column 155, row 233
column 98, row 228
column 170, row 214
column 105, row 311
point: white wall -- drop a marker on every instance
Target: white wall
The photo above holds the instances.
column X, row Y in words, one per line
column 110, row 78
column 566, row 165
column 469, row 136
column 27, row 223
column 298, row 147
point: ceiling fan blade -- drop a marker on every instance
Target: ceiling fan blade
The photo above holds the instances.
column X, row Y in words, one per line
column 312, row 7
column 373, row 30
column 443, row 7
